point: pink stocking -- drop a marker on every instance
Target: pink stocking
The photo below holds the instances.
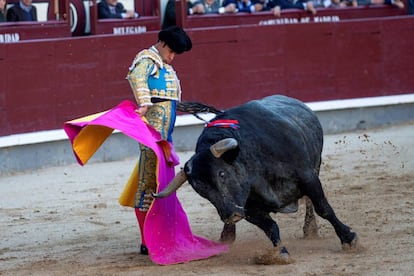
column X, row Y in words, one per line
column 141, row 220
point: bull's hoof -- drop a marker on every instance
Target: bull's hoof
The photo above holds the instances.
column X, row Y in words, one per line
column 353, row 246
column 228, row 234
column 278, row 255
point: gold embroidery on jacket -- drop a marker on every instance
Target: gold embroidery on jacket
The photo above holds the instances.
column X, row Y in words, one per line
column 148, row 66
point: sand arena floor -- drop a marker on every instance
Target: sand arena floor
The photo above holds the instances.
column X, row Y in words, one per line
column 67, row 221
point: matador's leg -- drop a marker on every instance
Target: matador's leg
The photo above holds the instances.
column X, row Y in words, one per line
column 146, row 186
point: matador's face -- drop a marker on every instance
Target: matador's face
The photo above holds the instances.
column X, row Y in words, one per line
column 165, row 52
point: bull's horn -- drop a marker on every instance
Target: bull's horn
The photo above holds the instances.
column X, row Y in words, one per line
column 222, row 146
column 176, row 183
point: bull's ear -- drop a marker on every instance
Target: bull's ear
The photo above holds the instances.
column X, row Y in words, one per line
column 223, row 146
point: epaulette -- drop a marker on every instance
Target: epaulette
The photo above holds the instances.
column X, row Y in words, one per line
column 147, row 53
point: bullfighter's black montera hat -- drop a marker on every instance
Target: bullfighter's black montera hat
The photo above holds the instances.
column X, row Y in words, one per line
column 176, row 38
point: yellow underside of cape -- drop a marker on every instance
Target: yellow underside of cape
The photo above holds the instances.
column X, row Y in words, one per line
column 127, row 197
column 89, row 140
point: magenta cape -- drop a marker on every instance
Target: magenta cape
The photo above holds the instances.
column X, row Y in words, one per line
column 167, row 231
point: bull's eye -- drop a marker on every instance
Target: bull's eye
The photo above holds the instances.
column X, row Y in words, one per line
column 221, row 174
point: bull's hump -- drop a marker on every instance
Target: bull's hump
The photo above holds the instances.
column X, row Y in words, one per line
column 282, row 104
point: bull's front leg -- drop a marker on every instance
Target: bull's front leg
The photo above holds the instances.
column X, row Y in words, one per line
column 278, row 254
column 228, row 234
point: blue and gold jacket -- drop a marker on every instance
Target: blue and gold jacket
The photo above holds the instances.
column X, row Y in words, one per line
column 151, row 78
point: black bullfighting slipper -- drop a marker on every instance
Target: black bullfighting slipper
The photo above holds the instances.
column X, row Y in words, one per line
column 144, row 249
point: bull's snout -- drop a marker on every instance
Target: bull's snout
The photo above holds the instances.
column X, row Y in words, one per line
column 235, row 217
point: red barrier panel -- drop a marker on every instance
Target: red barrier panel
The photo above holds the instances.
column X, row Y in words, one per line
column 45, row 83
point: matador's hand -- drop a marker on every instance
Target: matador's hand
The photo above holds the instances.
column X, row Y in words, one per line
column 142, row 110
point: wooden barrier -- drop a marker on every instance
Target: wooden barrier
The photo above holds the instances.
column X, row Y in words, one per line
column 149, row 20
column 48, row 82
column 18, row 31
column 57, row 24
column 288, row 16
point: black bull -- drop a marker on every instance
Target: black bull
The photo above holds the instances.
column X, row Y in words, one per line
column 263, row 163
